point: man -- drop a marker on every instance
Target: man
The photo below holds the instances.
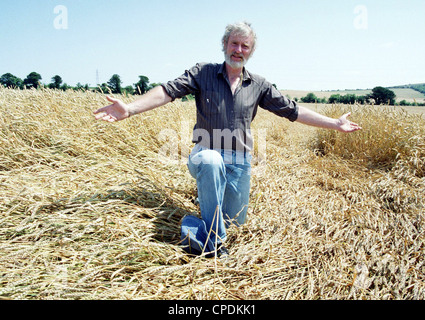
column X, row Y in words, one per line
column 227, row 97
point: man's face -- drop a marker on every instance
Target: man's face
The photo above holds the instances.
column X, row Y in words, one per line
column 239, row 50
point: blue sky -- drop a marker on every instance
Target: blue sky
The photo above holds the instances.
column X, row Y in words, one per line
column 303, row 44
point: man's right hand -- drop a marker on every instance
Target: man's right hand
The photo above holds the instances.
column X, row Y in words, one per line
column 117, row 111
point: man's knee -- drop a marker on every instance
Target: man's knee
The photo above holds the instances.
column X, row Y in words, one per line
column 207, row 163
column 207, row 157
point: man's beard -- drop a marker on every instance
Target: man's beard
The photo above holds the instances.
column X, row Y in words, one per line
column 235, row 64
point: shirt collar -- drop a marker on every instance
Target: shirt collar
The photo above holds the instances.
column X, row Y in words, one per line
column 222, row 70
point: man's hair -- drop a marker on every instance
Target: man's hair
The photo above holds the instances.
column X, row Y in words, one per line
column 239, row 28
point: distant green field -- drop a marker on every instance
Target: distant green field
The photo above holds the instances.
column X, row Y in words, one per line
column 407, row 94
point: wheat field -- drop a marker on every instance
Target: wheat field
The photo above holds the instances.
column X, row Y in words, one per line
column 91, row 210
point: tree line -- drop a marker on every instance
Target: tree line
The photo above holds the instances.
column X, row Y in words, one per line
column 114, row 85
column 378, row 96
column 420, row 87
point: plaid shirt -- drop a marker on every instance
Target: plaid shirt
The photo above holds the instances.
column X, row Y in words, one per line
column 223, row 118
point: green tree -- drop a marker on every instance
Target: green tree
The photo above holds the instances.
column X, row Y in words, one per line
column 79, row 86
column 103, row 88
column 56, row 82
column 32, row 80
column 348, row 99
column 335, row 98
column 65, row 87
column 129, row 90
column 142, row 85
column 115, row 84
column 309, row 98
column 10, row 81
column 382, row 95
column 361, row 99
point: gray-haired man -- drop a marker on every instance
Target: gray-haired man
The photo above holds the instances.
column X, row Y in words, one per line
column 227, row 97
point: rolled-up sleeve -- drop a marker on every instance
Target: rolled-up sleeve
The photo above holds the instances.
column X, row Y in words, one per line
column 273, row 101
column 186, row 84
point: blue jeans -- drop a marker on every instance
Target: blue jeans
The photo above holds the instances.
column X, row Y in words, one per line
column 223, row 182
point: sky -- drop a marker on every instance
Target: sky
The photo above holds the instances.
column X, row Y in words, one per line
column 302, row 45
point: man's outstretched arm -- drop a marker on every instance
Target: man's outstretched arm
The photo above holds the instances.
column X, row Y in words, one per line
column 311, row 118
column 118, row 110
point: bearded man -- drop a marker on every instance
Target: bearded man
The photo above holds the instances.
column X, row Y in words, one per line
column 227, row 98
